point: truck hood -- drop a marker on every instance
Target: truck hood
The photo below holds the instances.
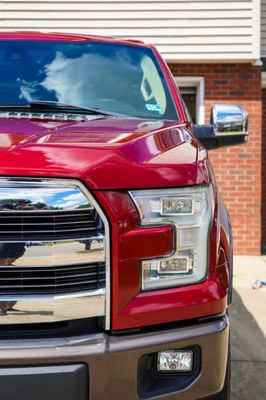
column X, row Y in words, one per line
column 106, row 153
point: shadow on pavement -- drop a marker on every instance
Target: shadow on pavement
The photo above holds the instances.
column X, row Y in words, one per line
column 248, row 353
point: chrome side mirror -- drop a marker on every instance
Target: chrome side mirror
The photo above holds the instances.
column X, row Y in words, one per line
column 229, row 119
column 228, row 127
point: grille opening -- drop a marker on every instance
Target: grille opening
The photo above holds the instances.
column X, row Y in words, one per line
column 51, row 280
column 59, row 329
column 49, row 225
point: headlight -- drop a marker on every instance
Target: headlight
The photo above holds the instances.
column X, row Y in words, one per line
column 190, row 211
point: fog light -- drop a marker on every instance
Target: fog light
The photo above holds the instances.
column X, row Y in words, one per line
column 175, row 361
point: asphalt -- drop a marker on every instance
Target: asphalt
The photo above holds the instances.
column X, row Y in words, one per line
column 248, row 330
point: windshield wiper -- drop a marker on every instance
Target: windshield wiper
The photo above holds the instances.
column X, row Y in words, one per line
column 51, row 106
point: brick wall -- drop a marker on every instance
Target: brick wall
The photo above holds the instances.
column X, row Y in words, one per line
column 238, row 169
column 263, row 204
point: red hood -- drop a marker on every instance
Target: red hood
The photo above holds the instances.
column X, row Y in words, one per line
column 107, row 153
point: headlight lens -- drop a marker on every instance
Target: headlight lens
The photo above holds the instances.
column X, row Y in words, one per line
column 190, row 211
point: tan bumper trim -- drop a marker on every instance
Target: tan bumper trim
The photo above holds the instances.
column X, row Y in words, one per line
column 113, row 360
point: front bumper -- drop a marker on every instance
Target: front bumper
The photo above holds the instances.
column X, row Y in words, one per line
column 113, row 362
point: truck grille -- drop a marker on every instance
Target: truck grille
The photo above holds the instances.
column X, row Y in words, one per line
column 55, row 280
column 48, row 225
column 53, row 259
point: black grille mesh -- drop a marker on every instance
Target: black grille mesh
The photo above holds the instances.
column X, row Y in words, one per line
column 51, row 280
column 48, row 225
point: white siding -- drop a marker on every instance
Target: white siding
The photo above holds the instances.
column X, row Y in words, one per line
column 182, row 30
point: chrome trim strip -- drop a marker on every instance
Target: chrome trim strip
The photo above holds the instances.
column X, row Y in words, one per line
column 32, row 298
column 27, row 302
column 42, row 196
column 49, row 309
column 107, row 260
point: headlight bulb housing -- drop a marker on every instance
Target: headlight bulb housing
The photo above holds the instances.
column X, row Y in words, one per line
column 190, row 212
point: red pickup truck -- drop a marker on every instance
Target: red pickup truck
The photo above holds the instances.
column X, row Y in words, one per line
column 115, row 246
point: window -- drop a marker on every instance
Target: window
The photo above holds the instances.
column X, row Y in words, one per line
column 192, row 90
column 111, row 76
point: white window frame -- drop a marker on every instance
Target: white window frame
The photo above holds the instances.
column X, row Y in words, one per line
column 198, row 83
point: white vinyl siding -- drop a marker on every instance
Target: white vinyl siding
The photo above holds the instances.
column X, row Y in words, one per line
column 182, row 30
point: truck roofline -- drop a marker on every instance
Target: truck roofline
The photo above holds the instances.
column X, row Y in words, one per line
column 61, row 36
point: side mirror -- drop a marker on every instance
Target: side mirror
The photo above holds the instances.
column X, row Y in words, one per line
column 229, row 126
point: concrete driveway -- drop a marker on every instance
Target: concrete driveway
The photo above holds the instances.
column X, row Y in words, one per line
column 248, row 330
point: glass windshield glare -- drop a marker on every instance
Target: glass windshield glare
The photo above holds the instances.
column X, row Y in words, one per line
column 113, row 77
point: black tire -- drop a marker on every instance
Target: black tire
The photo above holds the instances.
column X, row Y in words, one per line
column 225, row 393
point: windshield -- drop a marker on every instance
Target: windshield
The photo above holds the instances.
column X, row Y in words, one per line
column 113, row 77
